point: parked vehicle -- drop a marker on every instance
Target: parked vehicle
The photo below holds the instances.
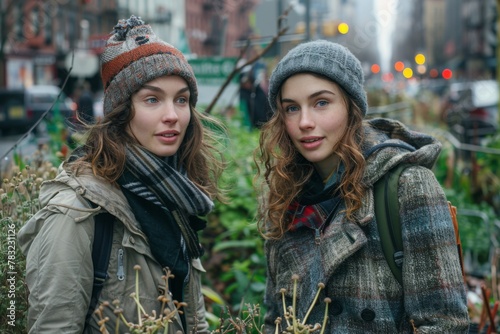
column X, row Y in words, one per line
column 22, row 108
column 471, row 110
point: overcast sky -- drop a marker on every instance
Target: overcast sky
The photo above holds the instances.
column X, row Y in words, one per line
column 385, row 11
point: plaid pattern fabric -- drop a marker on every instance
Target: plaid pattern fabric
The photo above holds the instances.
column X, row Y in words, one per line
column 365, row 296
column 307, row 215
column 313, row 216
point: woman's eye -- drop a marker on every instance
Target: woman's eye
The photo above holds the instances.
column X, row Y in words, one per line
column 322, row 103
column 151, row 100
column 182, row 100
column 291, row 109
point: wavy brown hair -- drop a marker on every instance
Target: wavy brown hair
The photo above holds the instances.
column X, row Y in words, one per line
column 105, row 148
column 285, row 171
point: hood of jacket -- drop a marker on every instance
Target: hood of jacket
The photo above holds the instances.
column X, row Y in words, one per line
column 389, row 143
column 88, row 187
column 74, row 194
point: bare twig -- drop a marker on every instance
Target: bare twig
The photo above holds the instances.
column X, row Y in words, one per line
column 237, row 68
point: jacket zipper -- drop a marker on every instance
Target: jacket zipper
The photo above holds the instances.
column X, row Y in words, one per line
column 120, row 273
column 317, row 236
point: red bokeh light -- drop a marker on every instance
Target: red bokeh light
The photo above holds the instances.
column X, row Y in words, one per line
column 399, row 66
column 375, row 68
column 447, row 74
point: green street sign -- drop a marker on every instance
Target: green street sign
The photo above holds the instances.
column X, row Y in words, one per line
column 213, row 70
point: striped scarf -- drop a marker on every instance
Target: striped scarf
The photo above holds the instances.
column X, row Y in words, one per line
column 163, row 183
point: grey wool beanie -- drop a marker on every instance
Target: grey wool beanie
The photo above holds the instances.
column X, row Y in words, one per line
column 326, row 58
column 133, row 56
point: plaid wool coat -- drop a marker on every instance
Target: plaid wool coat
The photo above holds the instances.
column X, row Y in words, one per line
column 365, row 296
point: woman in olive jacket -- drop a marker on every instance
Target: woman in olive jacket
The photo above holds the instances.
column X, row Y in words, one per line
column 151, row 165
column 321, row 161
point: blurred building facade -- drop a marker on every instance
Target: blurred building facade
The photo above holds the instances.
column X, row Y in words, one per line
column 38, row 38
column 213, row 26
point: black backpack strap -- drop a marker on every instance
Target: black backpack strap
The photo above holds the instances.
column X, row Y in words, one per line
column 101, row 252
column 387, row 215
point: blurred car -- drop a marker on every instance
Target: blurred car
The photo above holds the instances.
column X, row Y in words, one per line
column 20, row 109
column 471, row 110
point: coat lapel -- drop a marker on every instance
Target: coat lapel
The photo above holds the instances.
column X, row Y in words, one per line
column 313, row 263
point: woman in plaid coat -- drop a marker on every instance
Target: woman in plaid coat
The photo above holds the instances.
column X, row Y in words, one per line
column 320, row 163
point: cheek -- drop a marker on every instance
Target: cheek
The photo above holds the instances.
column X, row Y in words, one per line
column 185, row 119
column 289, row 126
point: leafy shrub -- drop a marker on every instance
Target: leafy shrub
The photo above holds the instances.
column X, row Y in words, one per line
column 234, row 258
column 18, row 202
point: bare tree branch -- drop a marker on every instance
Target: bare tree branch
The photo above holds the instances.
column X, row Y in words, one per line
column 237, row 68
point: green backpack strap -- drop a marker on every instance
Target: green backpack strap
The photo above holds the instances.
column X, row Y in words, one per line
column 387, row 216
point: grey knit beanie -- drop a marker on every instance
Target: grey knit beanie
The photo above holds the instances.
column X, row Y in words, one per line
column 133, row 56
column 326, row 58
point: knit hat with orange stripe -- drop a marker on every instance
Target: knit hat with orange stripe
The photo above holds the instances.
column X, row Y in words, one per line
column 133, row 56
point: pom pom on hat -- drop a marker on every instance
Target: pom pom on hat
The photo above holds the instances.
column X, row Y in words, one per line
column 328, row 59
column 133, row 56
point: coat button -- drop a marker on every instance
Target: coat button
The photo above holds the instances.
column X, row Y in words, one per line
column 80, row 191
column 131, row 240
column 367, row 314
column 336, row 309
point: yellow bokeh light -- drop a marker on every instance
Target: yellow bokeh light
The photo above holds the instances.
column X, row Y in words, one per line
column 343, row 28
column 407, row 73
column 420, row 59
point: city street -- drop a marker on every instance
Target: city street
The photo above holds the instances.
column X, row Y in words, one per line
column 219, row 154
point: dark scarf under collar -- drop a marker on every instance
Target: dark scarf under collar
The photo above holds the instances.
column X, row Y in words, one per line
column 165, row 184
column 317, row 201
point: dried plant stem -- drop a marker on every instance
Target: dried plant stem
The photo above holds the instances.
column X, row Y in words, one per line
column 137, row 268
column 325, row 318
column 295, row 278
column 284, row 306
column 321, row 286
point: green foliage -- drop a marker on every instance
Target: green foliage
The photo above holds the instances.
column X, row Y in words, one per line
column 234, row 260
column 18, row 202
column 476, row 214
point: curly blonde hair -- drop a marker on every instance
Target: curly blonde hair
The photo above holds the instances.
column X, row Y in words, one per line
column 285, row 171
